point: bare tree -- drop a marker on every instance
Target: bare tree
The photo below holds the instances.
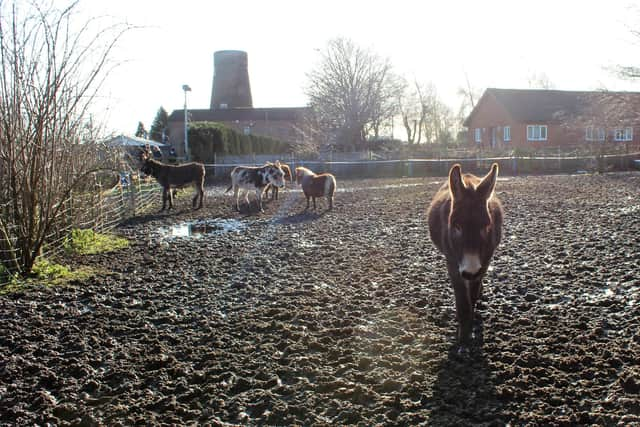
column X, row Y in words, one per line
column 386, row 110
column 469, row 97
column 51, row 72
column 347, row 91
column 540, row 80
column 437, row 117
column 424, row 115
column 410, row 110
column 630, row 72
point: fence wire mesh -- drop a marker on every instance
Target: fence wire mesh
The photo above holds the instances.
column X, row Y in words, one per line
column 100, row 211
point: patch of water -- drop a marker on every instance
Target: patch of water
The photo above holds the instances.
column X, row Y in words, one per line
column 200, row 228
column 384, row 187
column 305, row 244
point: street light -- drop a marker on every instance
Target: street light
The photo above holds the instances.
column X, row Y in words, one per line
column 186, row 89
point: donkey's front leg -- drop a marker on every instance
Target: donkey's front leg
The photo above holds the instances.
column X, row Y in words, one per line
column 259, row 199
column 475, row 292
column 164, row 199
column 169, row 196
column 464, row 310
column 236, row 194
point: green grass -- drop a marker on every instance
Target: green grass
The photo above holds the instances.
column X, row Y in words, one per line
column 87, row 242
column 48, row 273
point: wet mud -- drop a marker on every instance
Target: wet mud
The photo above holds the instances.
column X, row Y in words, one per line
column 340, row 318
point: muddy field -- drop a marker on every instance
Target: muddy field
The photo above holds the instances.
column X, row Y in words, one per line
column 341, row 318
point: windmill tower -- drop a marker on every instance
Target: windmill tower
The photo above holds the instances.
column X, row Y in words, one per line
column 231, row 87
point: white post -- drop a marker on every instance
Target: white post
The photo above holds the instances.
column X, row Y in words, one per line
column 186, row 89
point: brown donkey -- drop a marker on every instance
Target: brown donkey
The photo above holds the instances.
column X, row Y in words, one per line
column 465, row 224
column 175, row 176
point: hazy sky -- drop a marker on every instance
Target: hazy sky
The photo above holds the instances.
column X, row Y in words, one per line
column 496, row 43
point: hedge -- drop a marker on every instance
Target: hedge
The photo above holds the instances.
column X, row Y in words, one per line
column 206, row 139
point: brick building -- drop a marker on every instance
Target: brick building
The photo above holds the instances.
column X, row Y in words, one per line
column 536, row 118
column 232, row 105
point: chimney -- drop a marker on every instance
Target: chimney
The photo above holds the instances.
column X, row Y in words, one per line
column 231, row 87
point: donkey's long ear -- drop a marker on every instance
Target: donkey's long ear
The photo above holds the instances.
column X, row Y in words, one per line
column 456, row 186
column 488, row 183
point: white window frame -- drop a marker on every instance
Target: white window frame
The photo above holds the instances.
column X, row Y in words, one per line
column 506, row 134
column 591, row 130
column 535, row 132
column 478, row 135
column 623, row 134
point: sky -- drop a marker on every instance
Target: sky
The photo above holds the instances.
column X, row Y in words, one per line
column 492, row 43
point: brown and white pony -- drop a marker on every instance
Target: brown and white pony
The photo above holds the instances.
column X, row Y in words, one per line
column 465, row 224
column 250, row 178
column 287, row 177
column 323, row 185
column 174, row 176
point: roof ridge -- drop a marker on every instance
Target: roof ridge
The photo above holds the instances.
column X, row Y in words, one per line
column 541, row 90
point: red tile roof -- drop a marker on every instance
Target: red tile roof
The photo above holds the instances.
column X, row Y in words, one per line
column 542, row 105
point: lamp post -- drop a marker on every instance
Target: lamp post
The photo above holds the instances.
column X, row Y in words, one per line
column 186, row 89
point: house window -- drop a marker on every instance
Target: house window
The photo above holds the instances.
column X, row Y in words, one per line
column 595, row 134
column 506, row 134
column 478, row 135
column 625, row 134
column 536, row 132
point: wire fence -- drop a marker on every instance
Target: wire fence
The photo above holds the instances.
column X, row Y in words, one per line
column 100, row 211
column 550, row 162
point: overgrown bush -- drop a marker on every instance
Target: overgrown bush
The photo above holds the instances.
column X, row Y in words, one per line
column 51, row 70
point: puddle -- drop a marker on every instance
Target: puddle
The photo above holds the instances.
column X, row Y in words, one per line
column 201, row 228
column 385, row 187
column 305, row 244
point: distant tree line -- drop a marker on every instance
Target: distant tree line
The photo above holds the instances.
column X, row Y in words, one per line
column 208, row 139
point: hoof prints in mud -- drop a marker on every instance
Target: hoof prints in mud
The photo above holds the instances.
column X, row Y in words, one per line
column 343, row 317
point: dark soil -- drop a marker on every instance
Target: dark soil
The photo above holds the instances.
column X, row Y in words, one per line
column 343, row 317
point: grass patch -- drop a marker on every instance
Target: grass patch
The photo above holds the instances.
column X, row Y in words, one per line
column 87, row 242
column 56, row 274
column 47, row 273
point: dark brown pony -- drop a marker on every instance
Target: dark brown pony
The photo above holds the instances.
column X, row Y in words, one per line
column 313, row 185
column 175, row 176
column 465, row 224
column 275, row 190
